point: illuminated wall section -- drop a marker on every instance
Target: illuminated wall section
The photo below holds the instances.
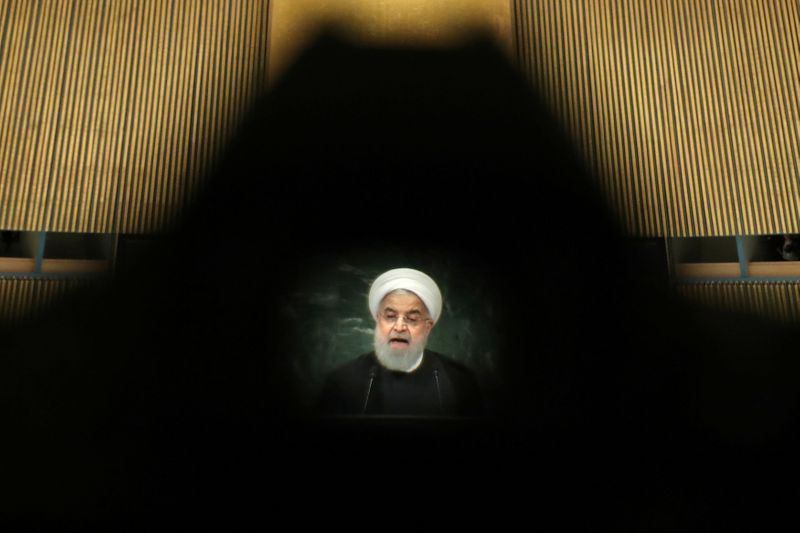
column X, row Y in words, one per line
column 687, row 110
column 112, row 110
column 23, row 298
column 779, row 301
column 419, row 23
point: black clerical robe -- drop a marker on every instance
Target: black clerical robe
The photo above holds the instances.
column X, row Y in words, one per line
column 438, row 387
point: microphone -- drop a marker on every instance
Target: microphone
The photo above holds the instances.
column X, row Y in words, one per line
column 438, row 389
column 372, row 372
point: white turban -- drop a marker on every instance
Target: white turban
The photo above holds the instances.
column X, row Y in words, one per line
column 411, row 280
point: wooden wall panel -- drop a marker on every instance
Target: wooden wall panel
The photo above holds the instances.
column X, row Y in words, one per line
column 427, row 23
column 778, row 301
column 23, row 298
column 688, row 111
column 111, row 111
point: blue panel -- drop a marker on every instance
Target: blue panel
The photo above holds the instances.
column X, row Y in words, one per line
column 742, row 256
column 40, row 252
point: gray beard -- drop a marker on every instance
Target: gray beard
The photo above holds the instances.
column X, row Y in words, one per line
column 402, row 360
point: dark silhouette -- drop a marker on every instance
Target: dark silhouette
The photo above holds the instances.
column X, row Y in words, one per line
column 9, row 239
column 789, row 248
column 172, row 390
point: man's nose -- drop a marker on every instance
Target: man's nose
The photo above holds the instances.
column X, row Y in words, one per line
column 400, row 324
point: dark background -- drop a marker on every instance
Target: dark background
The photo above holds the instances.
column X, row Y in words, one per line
column 181, row 388
column 331, row 322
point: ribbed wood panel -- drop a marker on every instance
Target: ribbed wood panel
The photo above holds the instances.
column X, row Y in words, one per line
column 688, row 111
column 112, row 110
column 22, row 298
column 779, row 301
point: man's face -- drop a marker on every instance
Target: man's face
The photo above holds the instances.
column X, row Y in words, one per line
column 403, row 323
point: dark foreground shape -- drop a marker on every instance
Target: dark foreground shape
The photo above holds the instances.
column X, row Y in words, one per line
column 173, row 392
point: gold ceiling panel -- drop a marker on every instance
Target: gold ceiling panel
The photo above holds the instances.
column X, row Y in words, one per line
column 688, row 111
column 779, row 301
column 112, row 111
column 24, row 298
column 414, row 23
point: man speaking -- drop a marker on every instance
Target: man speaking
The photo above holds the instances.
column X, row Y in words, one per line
column 400, row 376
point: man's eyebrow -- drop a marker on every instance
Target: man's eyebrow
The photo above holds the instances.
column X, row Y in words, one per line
column 414, row 311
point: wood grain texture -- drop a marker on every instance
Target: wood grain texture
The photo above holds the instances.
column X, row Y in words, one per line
column 779, row 301
column 25, row 298
column 111, row 112
column 687, row 111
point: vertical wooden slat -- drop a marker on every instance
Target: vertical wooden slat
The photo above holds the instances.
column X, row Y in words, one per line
column 717, row 174
column 141, row 102
column 145, row 203
column 657, row 96
column 125, row 144
column 89, row 172
column 12, row 28
column 640, row 149
column 8, row 35
column 83, row 124
column 164, row 173
column 633, row 192
column 694, row 127
column 19, row 100
column 599, row 101
column 23, row 299
column 730, row 143
column 32, row 171
column 687, row 111
column 180, row 126
column 775, row 139
column 115, row 67
column 695, row 117
column 595, row 58
column 743, row 25
column 59, row 178
column 583, row 106
column 778, row 301
column 111, row 111
column 195, row 112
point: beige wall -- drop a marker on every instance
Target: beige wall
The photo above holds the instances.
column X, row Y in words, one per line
column 295, row 23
